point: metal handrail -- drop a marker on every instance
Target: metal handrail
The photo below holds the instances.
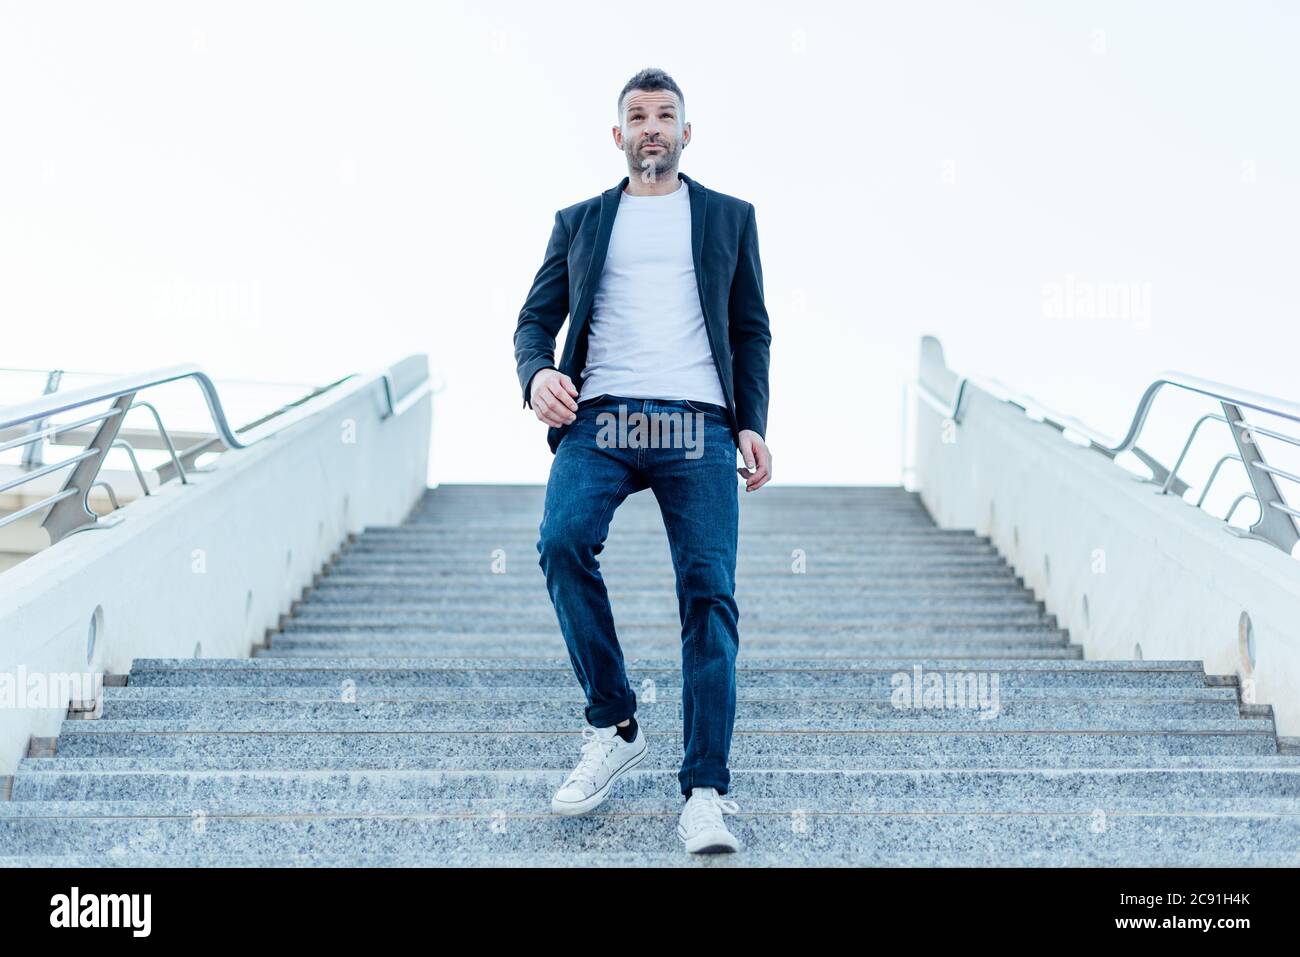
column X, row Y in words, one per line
column 1214, row 473
column 1215, row 390
column 60, row 402
column 1187, row 447
column 122, row 391
column 37, row 506
column 44, row 470
column 1040, row 413
column 167, row 439
column 1232, row 509
column 54, row 430
column 129, row 449
column 1276, row 524
column 112, row 496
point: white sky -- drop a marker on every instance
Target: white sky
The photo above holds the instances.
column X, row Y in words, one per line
column 296, row 191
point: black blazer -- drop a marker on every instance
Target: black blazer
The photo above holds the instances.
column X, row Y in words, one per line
column 724, row 243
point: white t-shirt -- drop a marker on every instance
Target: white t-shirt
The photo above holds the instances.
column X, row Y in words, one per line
column 646, row 337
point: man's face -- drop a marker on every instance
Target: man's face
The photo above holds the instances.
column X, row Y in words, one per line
column 652, row 135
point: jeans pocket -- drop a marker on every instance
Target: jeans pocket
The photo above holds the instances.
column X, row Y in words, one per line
column 715, row 414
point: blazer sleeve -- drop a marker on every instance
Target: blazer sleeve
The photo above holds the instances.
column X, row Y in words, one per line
column 544, row 311
column 749, row 333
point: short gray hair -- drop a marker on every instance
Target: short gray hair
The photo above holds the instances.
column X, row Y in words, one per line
column 652, row 78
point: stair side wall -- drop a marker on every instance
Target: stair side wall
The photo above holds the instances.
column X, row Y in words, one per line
column 1118, row 564
column 206, row 568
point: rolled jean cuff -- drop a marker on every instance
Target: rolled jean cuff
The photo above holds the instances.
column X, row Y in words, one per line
column 719, row 778
column 602, row 716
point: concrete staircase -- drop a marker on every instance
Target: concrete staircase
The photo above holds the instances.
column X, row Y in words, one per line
column 418, row 707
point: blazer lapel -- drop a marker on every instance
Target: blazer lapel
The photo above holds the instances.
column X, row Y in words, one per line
column 699, row 211
column 609, row 201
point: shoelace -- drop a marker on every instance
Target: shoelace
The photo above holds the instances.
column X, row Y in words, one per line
column 594, row 752
column 706, row 810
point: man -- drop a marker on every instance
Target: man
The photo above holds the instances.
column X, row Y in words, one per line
column 662, row 280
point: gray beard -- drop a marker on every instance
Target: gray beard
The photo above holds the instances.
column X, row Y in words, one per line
column 663, row 165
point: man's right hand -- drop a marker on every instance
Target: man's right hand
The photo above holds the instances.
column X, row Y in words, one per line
column 554, row 398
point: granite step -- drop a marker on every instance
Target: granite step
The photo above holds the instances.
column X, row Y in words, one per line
column 815, row 857
column 968, row 789
column 668, row 689
column 654, row 599
column 559, row 746
column 486, row 591
column 847, row 630
column 561, row 759
column 554, row 671
column 507, row 649
column 537, row 800
column 1024, row 838
column 557, row 712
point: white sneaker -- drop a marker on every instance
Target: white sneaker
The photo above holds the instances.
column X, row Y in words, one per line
column 605, row 758
column 701, row 826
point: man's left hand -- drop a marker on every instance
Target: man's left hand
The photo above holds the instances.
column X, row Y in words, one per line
column 758, row 460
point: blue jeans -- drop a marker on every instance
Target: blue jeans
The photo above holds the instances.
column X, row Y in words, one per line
column 596, row 466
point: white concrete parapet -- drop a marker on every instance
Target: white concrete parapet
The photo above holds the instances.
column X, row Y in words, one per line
column 1120, row 565
column 202, row 570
